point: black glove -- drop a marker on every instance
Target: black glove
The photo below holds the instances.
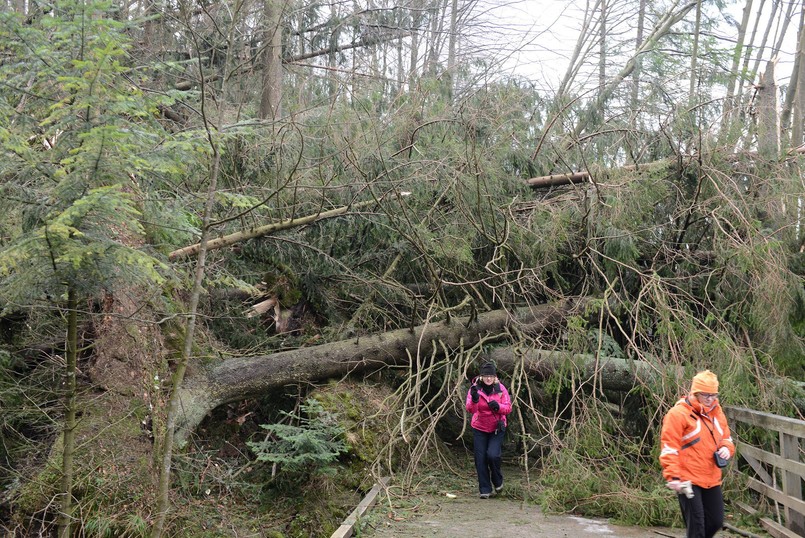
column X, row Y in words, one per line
column 474, row 393
column 494, row 406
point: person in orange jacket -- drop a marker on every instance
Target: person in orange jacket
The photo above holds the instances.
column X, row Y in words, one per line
column 696, row 444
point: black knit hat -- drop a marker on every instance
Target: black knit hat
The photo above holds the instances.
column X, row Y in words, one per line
column 488, row 368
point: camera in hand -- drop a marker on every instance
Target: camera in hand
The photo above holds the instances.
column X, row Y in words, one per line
column 720, row 462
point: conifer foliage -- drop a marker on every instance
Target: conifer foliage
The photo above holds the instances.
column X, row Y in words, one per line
column 377, row 189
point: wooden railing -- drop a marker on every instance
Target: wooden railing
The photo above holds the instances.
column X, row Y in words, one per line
column 774, row 470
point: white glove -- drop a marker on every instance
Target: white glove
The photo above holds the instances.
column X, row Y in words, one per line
column 724, row 452
column 682, row 488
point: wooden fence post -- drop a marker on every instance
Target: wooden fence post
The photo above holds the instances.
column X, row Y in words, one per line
column 792, row 483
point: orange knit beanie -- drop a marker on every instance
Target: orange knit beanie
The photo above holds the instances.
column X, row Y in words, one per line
column 704, row 382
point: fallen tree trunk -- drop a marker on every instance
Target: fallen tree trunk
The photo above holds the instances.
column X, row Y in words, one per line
column 244, row 377
column 612, row 373
column 583, row 176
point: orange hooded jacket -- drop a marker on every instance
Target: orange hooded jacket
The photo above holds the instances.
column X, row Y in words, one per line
column 687, row 445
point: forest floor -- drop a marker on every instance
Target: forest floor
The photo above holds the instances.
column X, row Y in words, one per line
column 457, row 511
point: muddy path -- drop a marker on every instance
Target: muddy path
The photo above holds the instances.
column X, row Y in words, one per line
column 442, row 517
column 466, row 515
column 451, row 509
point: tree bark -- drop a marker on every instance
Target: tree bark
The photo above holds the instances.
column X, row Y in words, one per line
column 641, row 23
column 729, row 99
column 602, row 47
column 694, row 57
column 768, row 128
column 244, row 377
column 799, row 74
column 799, row 66
column 68, row 450
column 790, row 95
column 271, row 96
column 613, row 373
column 451, row 48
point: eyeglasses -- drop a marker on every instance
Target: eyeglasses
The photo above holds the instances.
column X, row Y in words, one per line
column 706, row 395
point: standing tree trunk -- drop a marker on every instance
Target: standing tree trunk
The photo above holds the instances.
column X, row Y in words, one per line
column 694, row 57
column 602, row 47
column 434, row 40
column 400, row 56
column 451, row 50
column 799, row 75
column 174, row 404
column 747, row 53
column 416, row 21
column 730, row 97
column 768, row 128
column 791, row 93
column 773, row 16
column 71, row 360
column 662, row 28
column 271, row 96
column 641, row 23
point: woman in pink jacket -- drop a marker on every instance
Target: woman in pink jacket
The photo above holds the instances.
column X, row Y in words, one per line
column 488, row 401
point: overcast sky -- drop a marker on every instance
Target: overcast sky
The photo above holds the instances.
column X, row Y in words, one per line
column 537, row 37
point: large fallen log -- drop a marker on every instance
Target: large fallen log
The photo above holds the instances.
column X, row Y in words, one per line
column 239, row 378
column 612, row 373
column 244, row 377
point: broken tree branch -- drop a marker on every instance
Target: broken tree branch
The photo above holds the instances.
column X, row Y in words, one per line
column 243, row 235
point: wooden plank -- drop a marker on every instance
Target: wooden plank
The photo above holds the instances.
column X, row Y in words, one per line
column 348, row 525
column 745, row 508
column 344, row 531
column 792, row 483
column 777, row 530
column 751, row 455
column 781, row 463
column 791, row 426
column 777, row 495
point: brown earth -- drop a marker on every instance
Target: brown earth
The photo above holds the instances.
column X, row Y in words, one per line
column 502, row 517
column 447, row 506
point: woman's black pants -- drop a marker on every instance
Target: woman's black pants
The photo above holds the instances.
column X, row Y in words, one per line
column 704, row 513
column 487, row 447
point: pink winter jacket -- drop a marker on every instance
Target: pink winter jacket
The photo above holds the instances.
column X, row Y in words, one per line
column 483, row 419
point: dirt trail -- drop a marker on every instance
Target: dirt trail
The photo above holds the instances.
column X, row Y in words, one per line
column 453, row 510
column 443, row 517
column 450, row 508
